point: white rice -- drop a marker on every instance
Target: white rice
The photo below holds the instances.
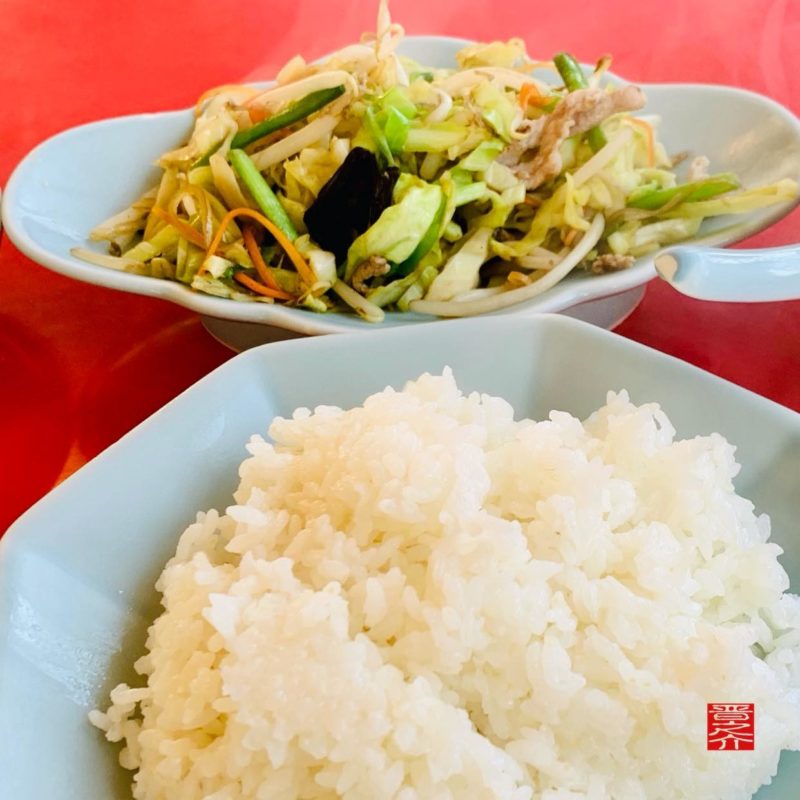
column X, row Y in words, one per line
column 422, row 598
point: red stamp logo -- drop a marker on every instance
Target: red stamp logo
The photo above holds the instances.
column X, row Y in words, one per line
column 731, row 726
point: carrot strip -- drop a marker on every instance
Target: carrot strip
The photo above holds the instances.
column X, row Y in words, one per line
column 187, row 231
column 259, row 288
column 303, row 269
column 569, row 237
column 264, row 272
column 529, row 95
column 650, row 138
column 257, row 114
column 515, row 278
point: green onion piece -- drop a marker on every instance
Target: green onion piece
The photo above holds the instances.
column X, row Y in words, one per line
column 398, row 99
column 652, row 199
column 262, row 194
column 425, row 245
column 396, row 129
column 378, row 137
column 572, row 75
column 295, row 113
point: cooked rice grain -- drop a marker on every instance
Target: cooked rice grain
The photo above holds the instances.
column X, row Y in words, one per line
column 422, row 598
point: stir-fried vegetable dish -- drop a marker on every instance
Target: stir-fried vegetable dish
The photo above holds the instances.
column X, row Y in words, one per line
column 370, row 182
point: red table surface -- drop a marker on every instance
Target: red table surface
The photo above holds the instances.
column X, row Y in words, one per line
column 81, row 365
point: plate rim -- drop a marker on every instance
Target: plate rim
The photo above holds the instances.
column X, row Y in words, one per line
column 517, row 323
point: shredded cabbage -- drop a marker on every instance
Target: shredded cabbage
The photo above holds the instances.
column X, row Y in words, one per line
column 640, row 239
column 400, row 227
column 483, row 156
column 460, row 273
column 739, row 203
column 496, row 108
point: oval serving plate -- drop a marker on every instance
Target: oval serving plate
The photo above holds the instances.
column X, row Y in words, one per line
column 76, row 179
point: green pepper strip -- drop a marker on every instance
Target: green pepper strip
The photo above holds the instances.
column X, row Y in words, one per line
column 425, row 245
column 295, row 113
column 574, row 79
column 652, row 199
column 262, row 194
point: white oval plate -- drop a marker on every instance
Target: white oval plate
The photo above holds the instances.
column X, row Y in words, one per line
column 76, row 179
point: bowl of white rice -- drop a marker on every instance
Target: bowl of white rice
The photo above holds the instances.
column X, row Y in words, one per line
column 505, row 558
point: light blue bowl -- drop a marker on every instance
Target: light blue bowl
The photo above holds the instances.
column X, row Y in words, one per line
column 77, row 571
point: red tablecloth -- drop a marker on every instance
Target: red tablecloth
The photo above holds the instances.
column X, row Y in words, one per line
column 80, row 365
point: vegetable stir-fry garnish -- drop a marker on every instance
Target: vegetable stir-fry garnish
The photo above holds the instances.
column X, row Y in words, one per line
column 371, row 182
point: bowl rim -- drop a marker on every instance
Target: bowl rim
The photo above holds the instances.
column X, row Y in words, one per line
column 469, row 326
column 565, row 295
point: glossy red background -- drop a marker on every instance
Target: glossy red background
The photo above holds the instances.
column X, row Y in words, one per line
column 80, row 365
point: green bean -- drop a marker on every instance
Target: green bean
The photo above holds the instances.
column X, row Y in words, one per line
column 572, row 75
column 652, row 199
column 296, row 112
column 570, row 71
column 596, row 138
column 262, row 194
